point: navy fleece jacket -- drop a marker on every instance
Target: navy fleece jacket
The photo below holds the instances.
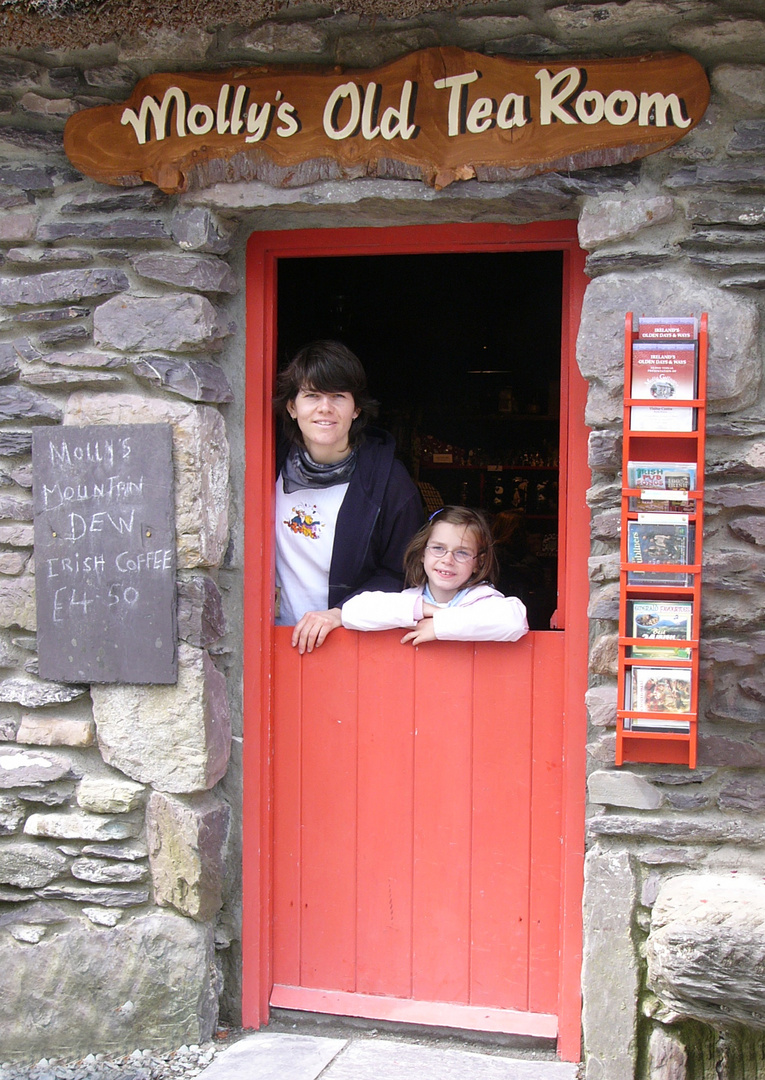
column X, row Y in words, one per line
column 380, row 514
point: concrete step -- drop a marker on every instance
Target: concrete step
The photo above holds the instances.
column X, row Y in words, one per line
column 267, row 1055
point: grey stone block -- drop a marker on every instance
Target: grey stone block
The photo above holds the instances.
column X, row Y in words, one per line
column 197, row 229
column 196, row 380
column 117, row 1001
column 120, row 229
column 178, row 737
column 176, row 323
column 187, row 840
column 610, row 973
column 618, row 787
column 204, row 273
column 28, row 865
column 66, row 286
column 16, row 403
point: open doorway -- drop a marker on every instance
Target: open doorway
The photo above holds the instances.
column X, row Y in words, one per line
column 414, row 817
column 463, row 352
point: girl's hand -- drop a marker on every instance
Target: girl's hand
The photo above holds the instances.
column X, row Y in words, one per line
column 428, row 609
column 424, row 631
column 313, row 628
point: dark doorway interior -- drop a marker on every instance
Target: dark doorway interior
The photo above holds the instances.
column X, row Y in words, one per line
column 463, row 353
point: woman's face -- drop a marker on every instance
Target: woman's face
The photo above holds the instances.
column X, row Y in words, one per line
column 324, row 419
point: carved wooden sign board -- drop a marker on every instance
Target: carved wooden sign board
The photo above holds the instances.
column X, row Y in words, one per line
column 105, row 553
column 439, row 115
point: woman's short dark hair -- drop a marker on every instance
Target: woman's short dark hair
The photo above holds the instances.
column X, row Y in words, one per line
column 485, row 568
column 329, row 367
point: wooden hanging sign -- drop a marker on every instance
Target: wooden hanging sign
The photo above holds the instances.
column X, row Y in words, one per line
column 438, row 115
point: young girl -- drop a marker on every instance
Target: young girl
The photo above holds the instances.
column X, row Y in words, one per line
column 449, row 565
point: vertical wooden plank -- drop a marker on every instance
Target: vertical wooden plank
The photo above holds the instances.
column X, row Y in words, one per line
column 328, row 817
column 501, row 863
column 386, row 773
column 287, row 801
column 442, row 821
column 546, row 792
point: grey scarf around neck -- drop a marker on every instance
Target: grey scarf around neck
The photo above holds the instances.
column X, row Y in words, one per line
column 301, row 471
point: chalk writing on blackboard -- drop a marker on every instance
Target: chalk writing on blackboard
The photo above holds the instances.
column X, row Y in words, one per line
column 105, row 553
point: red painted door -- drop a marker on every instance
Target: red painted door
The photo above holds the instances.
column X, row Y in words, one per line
column 417, row 814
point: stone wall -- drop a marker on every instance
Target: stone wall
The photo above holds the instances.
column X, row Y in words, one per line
column 118, row 809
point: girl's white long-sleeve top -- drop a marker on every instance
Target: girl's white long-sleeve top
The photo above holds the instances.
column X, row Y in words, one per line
column 481, row 614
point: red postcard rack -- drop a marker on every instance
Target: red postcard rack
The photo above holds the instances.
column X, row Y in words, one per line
column 662, row 734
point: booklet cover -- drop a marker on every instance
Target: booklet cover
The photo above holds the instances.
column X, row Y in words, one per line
column 658, row 541
column 663, row 373
column 661, row 621
column 661, row 690
column 654, row 476
column 654, row 328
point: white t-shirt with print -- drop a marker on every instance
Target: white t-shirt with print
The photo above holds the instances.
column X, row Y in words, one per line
column 305, row 536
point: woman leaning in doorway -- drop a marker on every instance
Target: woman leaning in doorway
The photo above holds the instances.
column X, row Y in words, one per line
column 346, row 508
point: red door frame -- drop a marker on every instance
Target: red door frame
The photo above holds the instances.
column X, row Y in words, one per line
column 264, row 249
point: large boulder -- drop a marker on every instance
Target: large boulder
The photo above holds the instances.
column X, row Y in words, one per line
column 84, row 989
column 706, row 948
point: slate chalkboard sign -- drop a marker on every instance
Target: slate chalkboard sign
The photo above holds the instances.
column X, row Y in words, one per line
column 105, row 553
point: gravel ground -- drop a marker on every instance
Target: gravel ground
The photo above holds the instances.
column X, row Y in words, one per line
column 187, row 1061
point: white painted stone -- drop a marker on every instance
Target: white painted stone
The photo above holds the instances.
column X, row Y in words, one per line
column 706, row 948
column 610, row 973
column 618, row 787
column 102, row 916
column 109, row 795
column 21, row 767
column 176, row 738
column 200, row 464
column 32, row 692
column 78, row 825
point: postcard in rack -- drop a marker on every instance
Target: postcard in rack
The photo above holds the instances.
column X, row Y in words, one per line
column 666, row 725
column 661, row 689
column 653, row 477
column 657, row 623
column 658, row 539
column 654, row 328
column 661, row 373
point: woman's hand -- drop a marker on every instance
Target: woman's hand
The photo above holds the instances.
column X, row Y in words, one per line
column 424, row 631
column 312, row 630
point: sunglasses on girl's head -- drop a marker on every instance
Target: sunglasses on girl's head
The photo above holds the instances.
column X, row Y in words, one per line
column 438, row 551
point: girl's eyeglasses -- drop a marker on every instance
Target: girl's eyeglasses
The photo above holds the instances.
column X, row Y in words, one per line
column 438, row 551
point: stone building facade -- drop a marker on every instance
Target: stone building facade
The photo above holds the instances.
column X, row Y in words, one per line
column 120, row 806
